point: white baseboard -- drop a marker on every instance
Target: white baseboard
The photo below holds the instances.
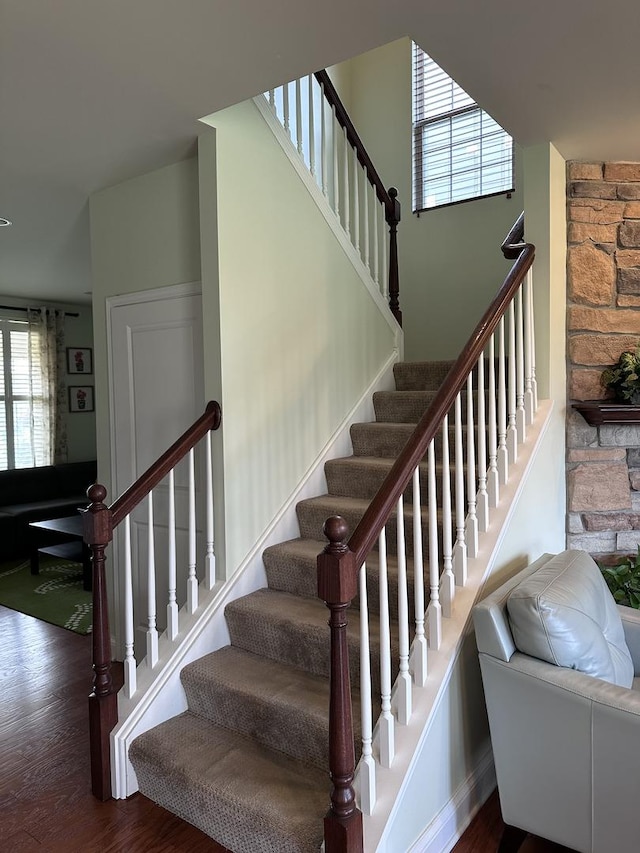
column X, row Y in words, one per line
column 447, row 827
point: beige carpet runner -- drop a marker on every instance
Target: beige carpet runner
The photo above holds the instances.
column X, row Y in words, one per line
column 248, row 762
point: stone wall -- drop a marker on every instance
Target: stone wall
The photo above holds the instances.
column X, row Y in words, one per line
column 603, row 320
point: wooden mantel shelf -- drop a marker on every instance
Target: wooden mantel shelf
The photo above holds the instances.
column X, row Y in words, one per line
column 597, row 412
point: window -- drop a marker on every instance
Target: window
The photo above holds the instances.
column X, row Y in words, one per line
column 24, row 409
column 459, row 152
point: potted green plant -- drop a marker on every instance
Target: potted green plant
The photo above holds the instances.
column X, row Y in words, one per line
column 624, row 377
column 623, row 580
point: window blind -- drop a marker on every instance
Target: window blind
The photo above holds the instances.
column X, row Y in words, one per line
column 459, row 151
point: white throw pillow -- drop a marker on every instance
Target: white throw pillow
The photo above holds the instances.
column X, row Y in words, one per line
column 565, row 614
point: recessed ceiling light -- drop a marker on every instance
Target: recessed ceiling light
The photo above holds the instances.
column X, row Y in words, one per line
column 4, row 222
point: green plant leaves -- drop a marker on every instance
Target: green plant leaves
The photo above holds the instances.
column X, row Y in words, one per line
column 624, row 580
column 624, row 377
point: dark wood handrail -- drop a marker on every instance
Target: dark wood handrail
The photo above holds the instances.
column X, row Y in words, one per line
column 512, row 244
column 364, row 536
column 129, row 499
column 345, row 122
column 386, row 197
column 99, row 520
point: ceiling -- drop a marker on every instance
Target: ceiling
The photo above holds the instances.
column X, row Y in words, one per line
column 94, row 93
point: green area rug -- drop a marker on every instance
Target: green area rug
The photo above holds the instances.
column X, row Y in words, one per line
column 55, row 595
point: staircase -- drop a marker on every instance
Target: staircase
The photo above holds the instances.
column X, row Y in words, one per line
column 246, row 763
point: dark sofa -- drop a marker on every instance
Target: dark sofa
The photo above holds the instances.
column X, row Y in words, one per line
column 36, row 494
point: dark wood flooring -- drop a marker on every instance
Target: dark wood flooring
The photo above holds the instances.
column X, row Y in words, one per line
column 485, row 831
column 45, row 798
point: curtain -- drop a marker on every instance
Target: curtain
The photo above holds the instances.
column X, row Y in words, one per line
column 48, row 390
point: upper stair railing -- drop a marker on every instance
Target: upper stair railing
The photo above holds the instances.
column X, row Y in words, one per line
column 463, row 446
column 319, row 127
column 159, row 574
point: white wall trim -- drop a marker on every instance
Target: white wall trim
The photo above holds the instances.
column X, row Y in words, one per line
column 448, row 826
column 160, row 694
column 327, row 211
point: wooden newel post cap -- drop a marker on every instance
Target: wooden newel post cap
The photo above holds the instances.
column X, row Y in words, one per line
column 96, row 493
column 337, row 577
column 96, row 518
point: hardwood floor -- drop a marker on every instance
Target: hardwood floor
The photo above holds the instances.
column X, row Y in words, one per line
column 485, row 831
column 45, row 797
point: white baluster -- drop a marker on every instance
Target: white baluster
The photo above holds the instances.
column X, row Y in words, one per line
column 285, row 109
column 210, row 559
column 312, row 129
column 385, row 262
column 152, row 631
column 447, row 583
column 472, row 519
column 460, row 548
column 534, row 383
column 503, row 455
column 434, row 610
column 512, row 432
column 493, row 479
column 356, row 200
column 386, row 722
column 192, row 580
column 365, row 216
column 299, row 117
column 172, row 605
column 323, row 142
column 419, row 651
column 403, row 683
column 521, row 419
column 483, row 497
column 376, row 254
column 345, row 168
column 367, row 767
column 336, row 174
column 130, row 683
column 272, row 98
column 528, row 352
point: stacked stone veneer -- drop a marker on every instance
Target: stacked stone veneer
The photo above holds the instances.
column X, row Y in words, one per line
column 603, row 320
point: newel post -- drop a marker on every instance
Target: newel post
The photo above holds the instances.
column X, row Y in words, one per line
column 393, row 217
column 103, row 713
column 337, row 586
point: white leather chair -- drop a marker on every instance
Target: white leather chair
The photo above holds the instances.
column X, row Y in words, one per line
column 559, row 660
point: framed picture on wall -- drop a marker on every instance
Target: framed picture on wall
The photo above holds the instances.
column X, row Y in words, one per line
column 81, row 398
column 79, row 360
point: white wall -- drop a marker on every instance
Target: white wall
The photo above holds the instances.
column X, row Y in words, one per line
column 450, row 259
column 78, row 332
column 301, row 337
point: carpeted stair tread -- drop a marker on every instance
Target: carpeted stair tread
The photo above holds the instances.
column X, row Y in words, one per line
column 190, row 766
column 420, row 375
column 380, row 439
column 294, row 630
column 408, row 406
column 292, row 566
column 313, row 512
column 362, row 476
column 281, row 706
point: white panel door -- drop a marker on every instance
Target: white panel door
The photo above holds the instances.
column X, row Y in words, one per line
column 156, row 389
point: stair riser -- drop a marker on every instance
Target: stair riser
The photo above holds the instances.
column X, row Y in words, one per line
column 301, row 646
column 275, row 725
column 303, row 581
column 311, row 520
column 395, row 407
column 424, row 376
column 370, row 440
